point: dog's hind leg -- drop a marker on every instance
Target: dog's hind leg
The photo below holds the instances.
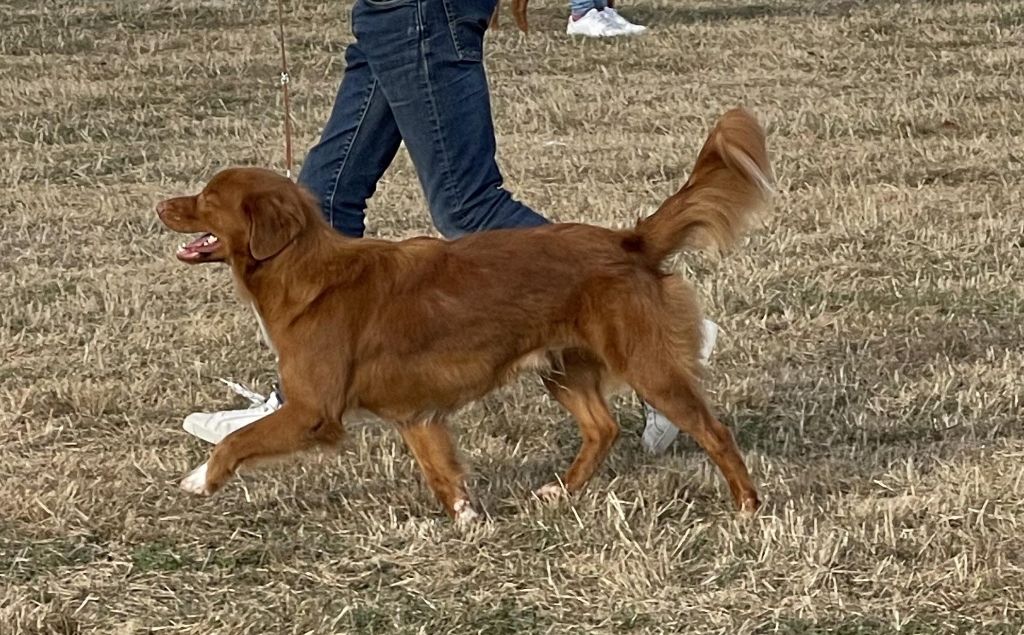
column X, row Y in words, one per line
column 648, row 333
column 677, row 395
column 431, row 444
column 578, row 388
column 288, row 430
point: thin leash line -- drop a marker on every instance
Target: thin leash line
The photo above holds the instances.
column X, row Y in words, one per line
column 285, row 80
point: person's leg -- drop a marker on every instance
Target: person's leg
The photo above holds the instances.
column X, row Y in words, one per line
column 358, row 143
column 427, row 56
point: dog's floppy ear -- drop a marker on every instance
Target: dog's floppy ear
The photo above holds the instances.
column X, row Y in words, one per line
column 275, row 219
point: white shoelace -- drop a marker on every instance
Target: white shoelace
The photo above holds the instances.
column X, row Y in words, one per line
column 254, row 397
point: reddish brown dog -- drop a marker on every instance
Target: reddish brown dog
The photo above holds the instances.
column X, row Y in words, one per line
column 412, row 330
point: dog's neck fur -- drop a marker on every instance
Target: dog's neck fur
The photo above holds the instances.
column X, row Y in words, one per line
column 274, row 289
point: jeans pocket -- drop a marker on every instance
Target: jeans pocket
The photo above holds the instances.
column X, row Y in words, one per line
column 467, row 21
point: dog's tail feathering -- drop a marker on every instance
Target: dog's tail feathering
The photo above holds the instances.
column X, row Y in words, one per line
column 731, row 180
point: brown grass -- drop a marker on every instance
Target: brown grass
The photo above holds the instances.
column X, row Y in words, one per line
column 870, row 361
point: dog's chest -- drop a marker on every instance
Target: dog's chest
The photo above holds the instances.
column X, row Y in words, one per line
column 263, row 328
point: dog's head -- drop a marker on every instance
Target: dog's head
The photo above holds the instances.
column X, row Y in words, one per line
column 242, row 213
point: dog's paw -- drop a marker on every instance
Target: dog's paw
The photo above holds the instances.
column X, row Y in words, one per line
column 749, row 506
column 465, row 515
column 195, row 482
column 550, row 492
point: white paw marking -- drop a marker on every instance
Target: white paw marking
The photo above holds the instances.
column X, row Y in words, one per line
column 549, row 492
column 464, row 513
column 195, row 482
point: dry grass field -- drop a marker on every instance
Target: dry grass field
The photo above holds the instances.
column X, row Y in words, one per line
column 870, row 359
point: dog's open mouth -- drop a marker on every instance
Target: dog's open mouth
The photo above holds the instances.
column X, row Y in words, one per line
column 198, row 249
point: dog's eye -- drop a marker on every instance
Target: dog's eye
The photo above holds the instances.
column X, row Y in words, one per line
column 206, row 201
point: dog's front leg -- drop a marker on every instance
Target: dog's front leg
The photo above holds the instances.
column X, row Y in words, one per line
column 290, row 429
column 431, row 443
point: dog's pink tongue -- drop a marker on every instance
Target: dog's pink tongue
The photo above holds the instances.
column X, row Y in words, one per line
column 202, row 243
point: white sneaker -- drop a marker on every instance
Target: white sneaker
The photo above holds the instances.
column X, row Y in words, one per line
column 214, row 426
column 616, row 19
column 593, row 24
column 659, row 432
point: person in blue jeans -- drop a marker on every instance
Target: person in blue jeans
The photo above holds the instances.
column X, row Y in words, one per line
column 414, row 73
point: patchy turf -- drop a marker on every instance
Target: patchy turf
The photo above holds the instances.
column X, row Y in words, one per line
column 870, row 360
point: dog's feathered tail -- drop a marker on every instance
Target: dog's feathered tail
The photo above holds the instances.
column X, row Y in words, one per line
column 731, row 180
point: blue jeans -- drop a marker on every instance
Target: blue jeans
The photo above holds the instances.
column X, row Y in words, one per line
column 415, row 73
